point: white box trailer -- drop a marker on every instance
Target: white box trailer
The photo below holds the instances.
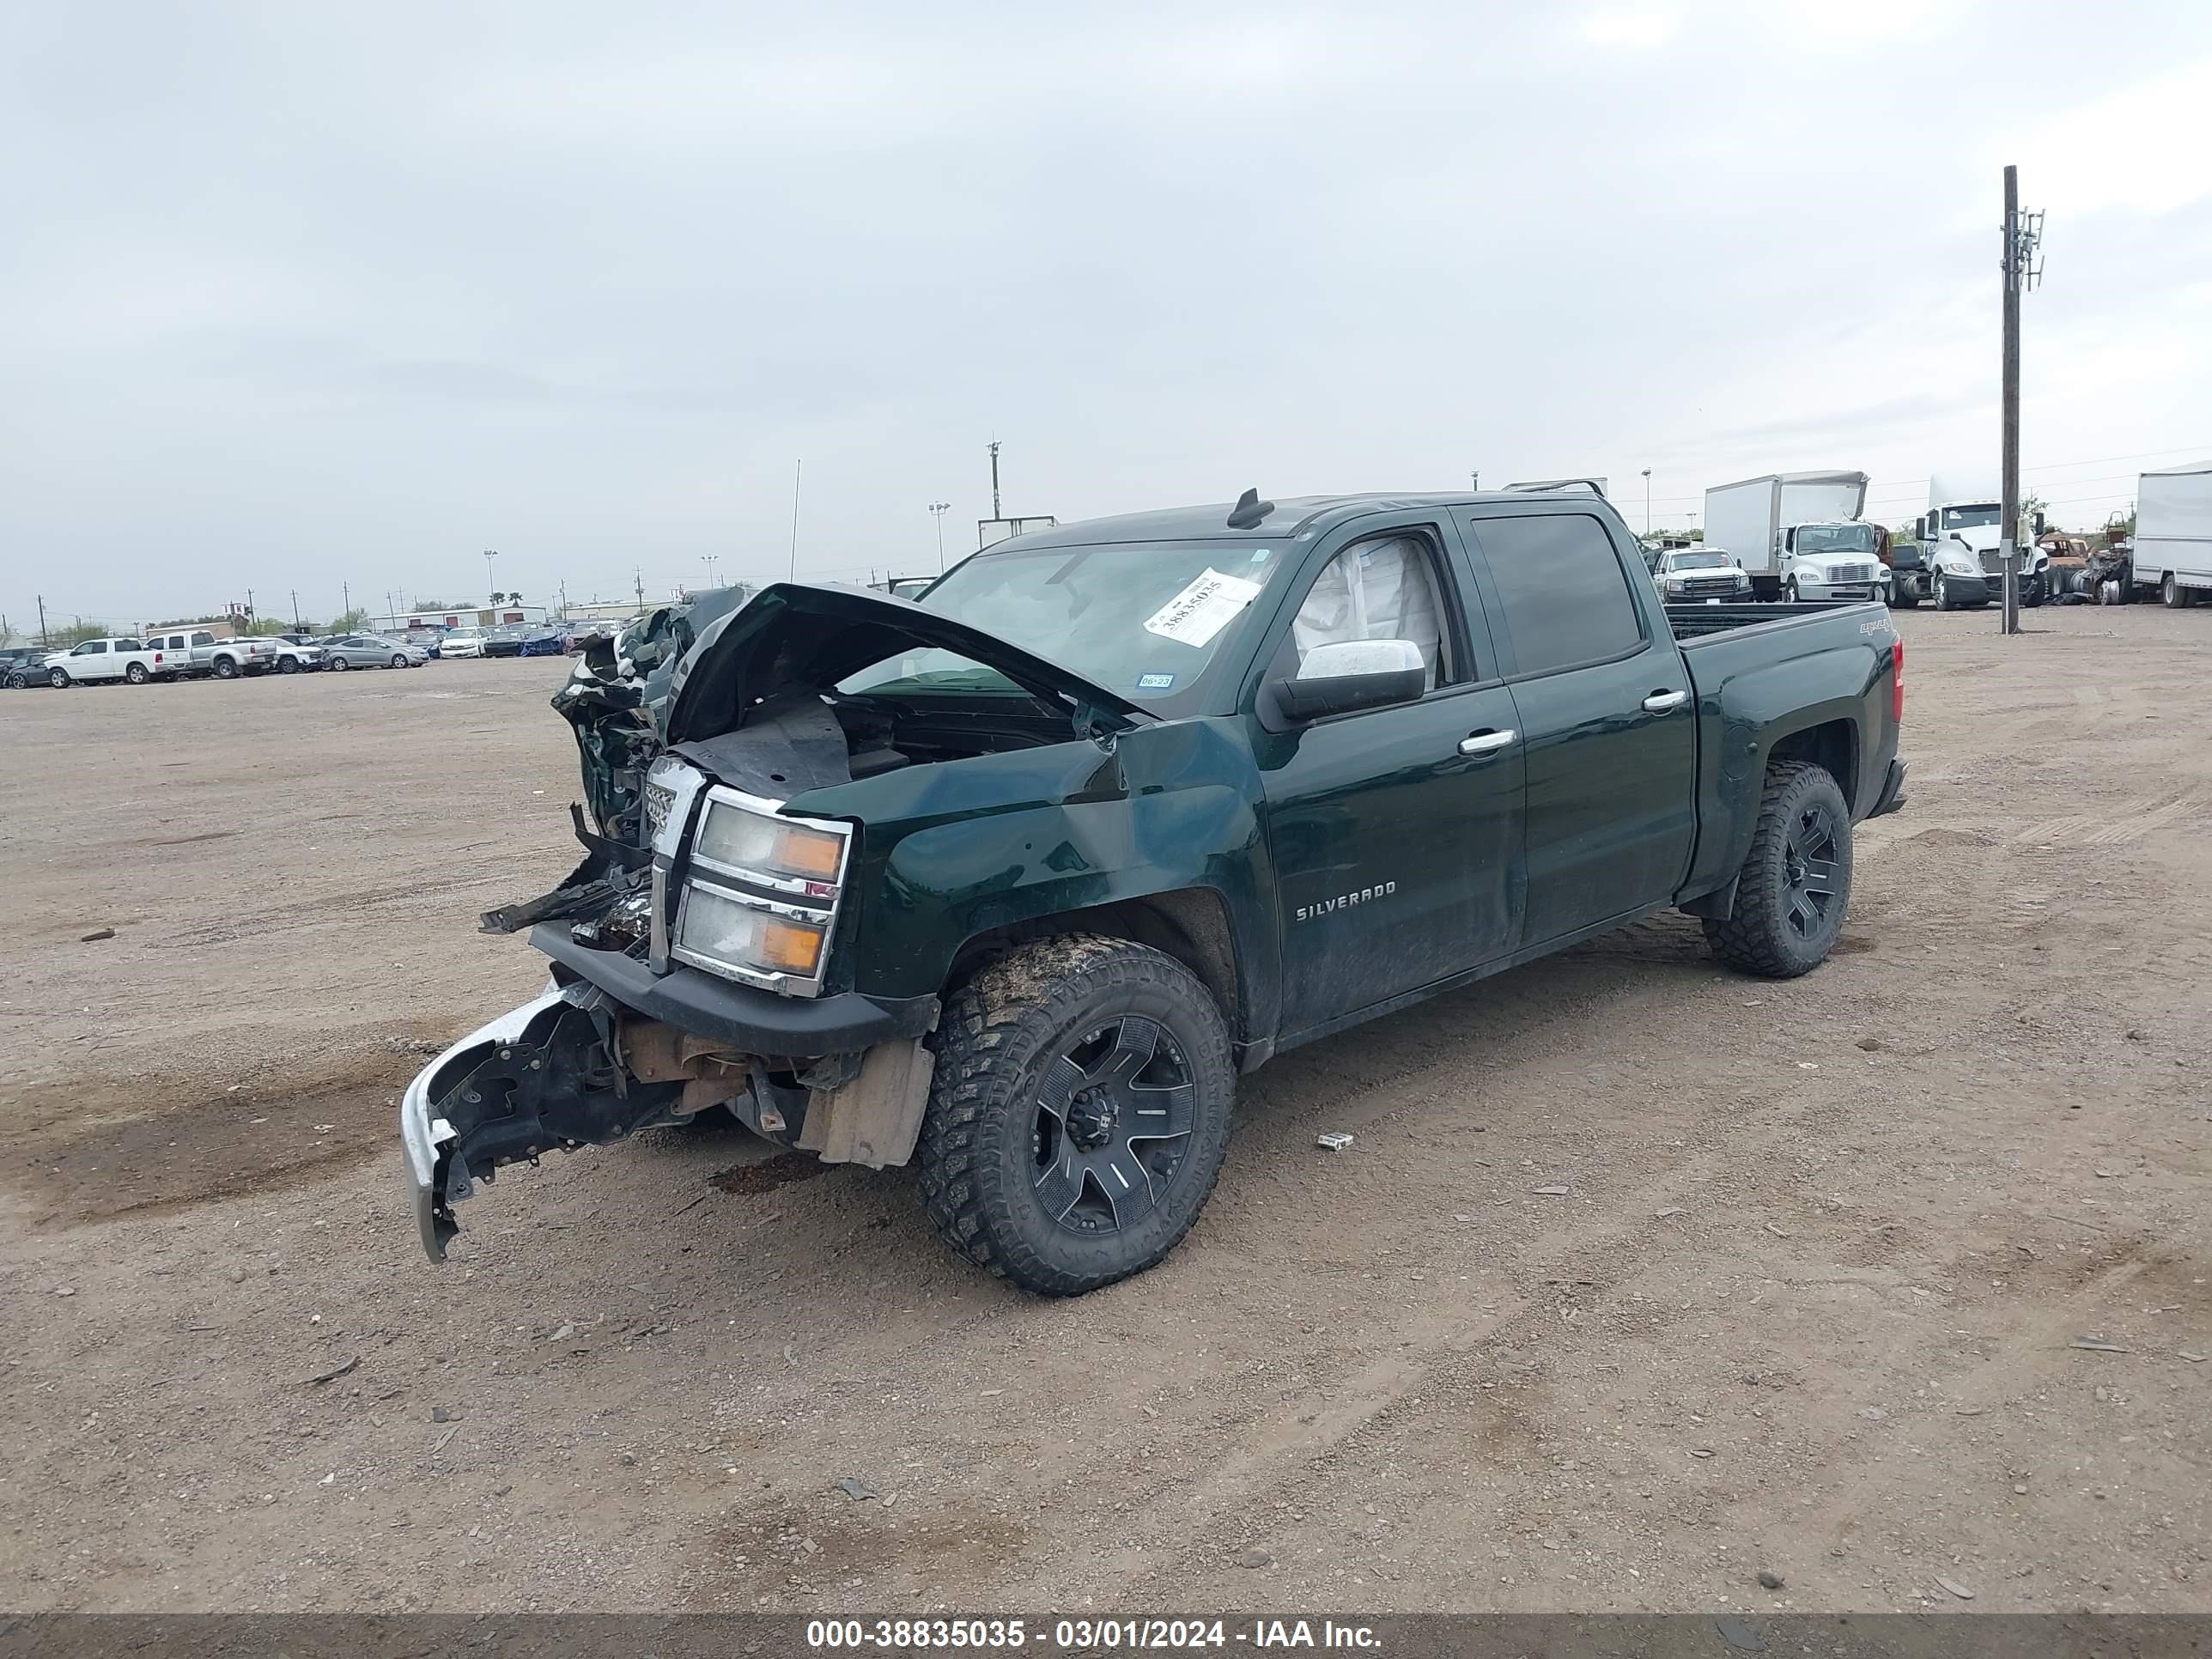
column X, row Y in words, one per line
column 2174, row 533
column 1750, row 519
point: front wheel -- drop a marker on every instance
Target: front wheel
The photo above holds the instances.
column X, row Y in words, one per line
column 58, row 677
column 1790, row 590
column 339, row 663
column 1079, row 1115
column 287, row 665
column 1795, row 883
column 1944, row 595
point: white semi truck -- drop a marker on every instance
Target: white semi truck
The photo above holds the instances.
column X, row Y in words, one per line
column 2173, row 533
column 1961, row 538
column 1798, row 535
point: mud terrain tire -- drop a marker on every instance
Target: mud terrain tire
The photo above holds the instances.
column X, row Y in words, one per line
column 1795, row 884
column 1036, row 1076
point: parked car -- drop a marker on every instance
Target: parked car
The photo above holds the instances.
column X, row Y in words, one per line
column 1697, row 575
column 893, row 886
column 197, row 651
column 524, row 640
column 344, row 651
column 299, row 655
column 23, row 665
column 116, row 658
column 462, row 642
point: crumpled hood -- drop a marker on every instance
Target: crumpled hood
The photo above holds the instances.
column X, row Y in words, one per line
column 799, row 635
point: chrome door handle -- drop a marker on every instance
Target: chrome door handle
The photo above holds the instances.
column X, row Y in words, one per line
column 1486, row 742
column 1660, row 702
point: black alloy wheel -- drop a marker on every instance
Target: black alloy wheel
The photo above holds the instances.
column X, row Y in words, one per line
column 1114, row 1117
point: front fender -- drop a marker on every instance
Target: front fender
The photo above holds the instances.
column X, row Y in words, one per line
column 967, row 848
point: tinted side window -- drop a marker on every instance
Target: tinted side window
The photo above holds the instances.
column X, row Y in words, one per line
column 203, row 639
column 1566, row 596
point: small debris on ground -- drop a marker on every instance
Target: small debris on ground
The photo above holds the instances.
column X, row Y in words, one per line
column 1768, row 1580
column 856, row 1489
column 1550, row 1192
column 1955, row 1588
column 1872, row 1045
column 96, row 933
column 2088, row 1347
column 335, row 1371
column 1255, row 1557
column 1335, row 1141
column 440, row 1414
column 2193, row 1359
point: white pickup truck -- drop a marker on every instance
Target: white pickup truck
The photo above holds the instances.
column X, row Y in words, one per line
column 111, row 658
column 197, row 651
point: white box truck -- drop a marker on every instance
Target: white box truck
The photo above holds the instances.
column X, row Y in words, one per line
column 1797, row 535
column 2174, row 533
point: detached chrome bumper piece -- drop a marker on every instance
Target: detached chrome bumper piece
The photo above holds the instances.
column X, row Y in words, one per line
column 430, row 1139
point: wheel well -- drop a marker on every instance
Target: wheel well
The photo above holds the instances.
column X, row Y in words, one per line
column 1191, row 925
column 1834, row 746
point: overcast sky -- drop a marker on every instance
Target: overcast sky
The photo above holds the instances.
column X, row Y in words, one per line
column 300, row 295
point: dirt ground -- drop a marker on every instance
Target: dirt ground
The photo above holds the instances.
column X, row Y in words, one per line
column 1814, row 1300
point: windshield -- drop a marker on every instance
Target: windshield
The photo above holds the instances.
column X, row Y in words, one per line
column 1146, row 620
column 1697, row 561
column 1836, row 538
column 1968, row 518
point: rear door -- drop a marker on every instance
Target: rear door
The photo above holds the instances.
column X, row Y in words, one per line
column 1604, row 706
column 1395, row 832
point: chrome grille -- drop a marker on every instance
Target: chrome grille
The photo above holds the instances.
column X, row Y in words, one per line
column 659, row 800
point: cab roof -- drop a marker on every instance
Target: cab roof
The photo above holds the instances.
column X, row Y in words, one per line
column 1294, row 516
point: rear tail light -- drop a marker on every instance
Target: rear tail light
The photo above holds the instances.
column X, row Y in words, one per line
column 1897, row 683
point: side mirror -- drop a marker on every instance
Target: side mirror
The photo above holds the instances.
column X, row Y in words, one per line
column 1350, row 675
column 2038, row 524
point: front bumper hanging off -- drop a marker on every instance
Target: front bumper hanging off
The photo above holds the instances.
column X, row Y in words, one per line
column 620, row 1050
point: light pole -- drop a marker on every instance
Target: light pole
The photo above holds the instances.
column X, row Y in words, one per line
column 710, row 559
column 490, row 553
column 937, row 511
column 1647, row 500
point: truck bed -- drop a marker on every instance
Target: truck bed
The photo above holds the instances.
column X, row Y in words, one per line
column 1694, row 624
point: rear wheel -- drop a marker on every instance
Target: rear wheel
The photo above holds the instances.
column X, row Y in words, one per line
column 136, row 673
column 58, row 677
column 1795, row 883
column 226, row 668
column 2173, row 596
column 1080, row 1113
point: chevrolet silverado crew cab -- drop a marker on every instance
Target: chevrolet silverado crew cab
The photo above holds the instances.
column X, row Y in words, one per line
column 1014, row 883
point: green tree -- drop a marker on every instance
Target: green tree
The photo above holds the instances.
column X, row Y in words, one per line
column 79, row 631
column 347, row 621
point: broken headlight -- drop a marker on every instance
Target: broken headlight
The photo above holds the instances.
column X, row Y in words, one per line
column 762, row 893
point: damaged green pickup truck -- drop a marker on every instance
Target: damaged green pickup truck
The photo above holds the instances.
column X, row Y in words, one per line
column 1011, row 883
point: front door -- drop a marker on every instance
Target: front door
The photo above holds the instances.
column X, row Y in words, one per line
column 92, row 661
column 1395, row 832
column 1605, row 708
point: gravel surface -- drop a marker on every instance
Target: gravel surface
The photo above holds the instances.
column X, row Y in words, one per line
column 1888, row 1284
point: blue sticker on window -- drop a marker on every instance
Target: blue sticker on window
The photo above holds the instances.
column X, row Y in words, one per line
column 1155, row 682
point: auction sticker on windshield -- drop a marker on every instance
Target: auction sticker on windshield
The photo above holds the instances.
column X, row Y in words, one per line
column 1202, row 609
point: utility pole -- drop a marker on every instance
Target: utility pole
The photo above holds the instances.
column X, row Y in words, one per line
column 937, row 511
column 346, row 590
column 2023, row 268
column 42, row 621
column 638, row 571
column 995, row 512
column 1647, row 500
column 296, row 611
column 1475, row 481
column 249, row 605
column 797, row 467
